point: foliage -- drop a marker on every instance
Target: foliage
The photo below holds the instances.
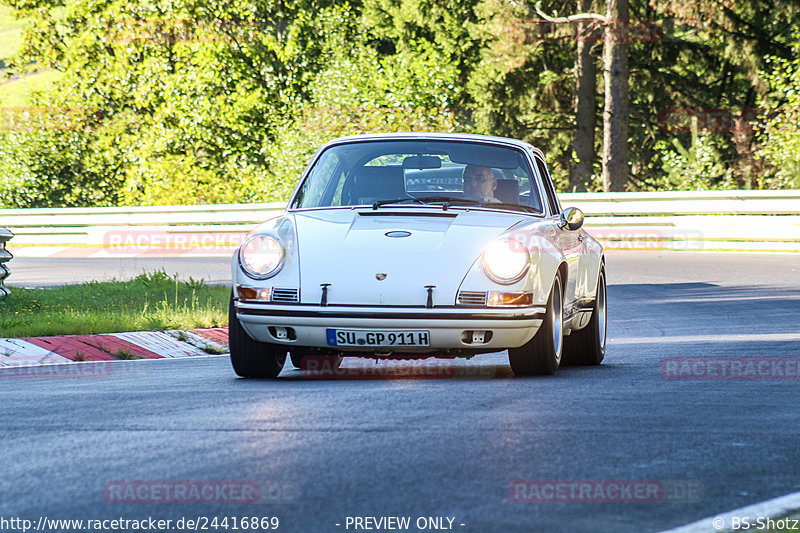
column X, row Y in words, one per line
column 188, row 93
column 698, row 167
column 780, row 140
column 151, row 301
column 361, row 91
column 214, row 101
column 48, row 161
column 10, row 36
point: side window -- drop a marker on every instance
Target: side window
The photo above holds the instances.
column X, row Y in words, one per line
column 549, row 191
column 320, row 186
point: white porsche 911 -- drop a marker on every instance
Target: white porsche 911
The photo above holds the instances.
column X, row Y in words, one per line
column 420, row 245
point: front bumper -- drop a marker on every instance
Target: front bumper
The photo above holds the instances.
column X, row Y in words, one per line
column 509, row 327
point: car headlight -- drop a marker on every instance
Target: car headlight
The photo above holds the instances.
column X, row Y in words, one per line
column 261, row 256
column 506, row 261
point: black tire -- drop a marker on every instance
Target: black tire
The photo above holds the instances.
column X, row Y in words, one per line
column 326, row 357
column 251, row 358
column 542, row 354
column 588, row 345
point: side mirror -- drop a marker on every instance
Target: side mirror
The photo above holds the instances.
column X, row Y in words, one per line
column 571, row 218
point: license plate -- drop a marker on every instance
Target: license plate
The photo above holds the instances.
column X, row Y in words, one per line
column 373, row 338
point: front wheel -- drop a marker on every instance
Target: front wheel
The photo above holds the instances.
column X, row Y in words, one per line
column 542, row 354
column 588, row 345
column 251, row 358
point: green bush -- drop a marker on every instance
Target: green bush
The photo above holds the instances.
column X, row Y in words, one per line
column 780, row 139
column 700, row 166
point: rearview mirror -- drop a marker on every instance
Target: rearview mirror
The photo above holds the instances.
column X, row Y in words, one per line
column 571, row 218
column 422, row 162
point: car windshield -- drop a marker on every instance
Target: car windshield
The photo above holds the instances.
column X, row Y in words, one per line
column 377, row 173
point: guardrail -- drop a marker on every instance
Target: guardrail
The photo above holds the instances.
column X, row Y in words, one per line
column 751, row 221
column 696, row 220
column 5, row 257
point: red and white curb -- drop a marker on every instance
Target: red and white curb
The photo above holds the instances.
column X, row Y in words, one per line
column 112, row 346
column 746, row 517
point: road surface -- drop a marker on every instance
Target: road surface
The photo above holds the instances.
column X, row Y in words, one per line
column 458, row 447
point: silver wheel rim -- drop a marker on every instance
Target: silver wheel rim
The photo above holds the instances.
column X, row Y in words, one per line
column 601, row 311
column 557, row 320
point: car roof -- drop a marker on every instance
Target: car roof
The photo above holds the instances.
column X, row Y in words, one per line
column 436, row 136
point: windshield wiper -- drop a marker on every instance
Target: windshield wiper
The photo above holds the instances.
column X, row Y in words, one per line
column 447, row 200
column 379, row 203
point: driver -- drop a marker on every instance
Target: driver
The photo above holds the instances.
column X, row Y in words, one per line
column 480, row 184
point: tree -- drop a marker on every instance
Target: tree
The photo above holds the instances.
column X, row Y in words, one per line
column 185, row 96
column 615, row 113
column 585, row 103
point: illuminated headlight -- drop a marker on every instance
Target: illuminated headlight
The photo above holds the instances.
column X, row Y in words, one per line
column 261, row 256
column 506, row 261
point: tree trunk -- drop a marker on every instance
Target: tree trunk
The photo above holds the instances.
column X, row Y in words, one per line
column 585, row 104
column 615, row 115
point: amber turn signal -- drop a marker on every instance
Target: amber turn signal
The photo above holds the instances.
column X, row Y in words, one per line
column 258, row 294
column 510, row 299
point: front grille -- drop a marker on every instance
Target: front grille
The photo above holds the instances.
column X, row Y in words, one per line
column 286, row 295
column 471, row 298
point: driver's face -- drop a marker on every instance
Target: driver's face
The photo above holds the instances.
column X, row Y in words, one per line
column 480, row 183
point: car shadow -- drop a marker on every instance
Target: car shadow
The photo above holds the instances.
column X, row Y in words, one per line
column 646, row 322
column 692, row 310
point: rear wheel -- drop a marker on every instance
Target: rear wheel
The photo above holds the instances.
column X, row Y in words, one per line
column 309, row 358
column 542, row 354
column 251, row 358
column 588, row 345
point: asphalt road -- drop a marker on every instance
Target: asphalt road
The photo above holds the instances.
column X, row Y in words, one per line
column 322, row 450
column 625, row 267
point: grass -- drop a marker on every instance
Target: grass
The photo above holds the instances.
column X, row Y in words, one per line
column 150, row 302
column 17, row 93
column 10, row 34
column 213, row 350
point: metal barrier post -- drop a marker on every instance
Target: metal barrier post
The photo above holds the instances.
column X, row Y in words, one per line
column 5, row 257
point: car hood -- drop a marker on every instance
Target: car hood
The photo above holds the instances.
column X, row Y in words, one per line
column 350, row 250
